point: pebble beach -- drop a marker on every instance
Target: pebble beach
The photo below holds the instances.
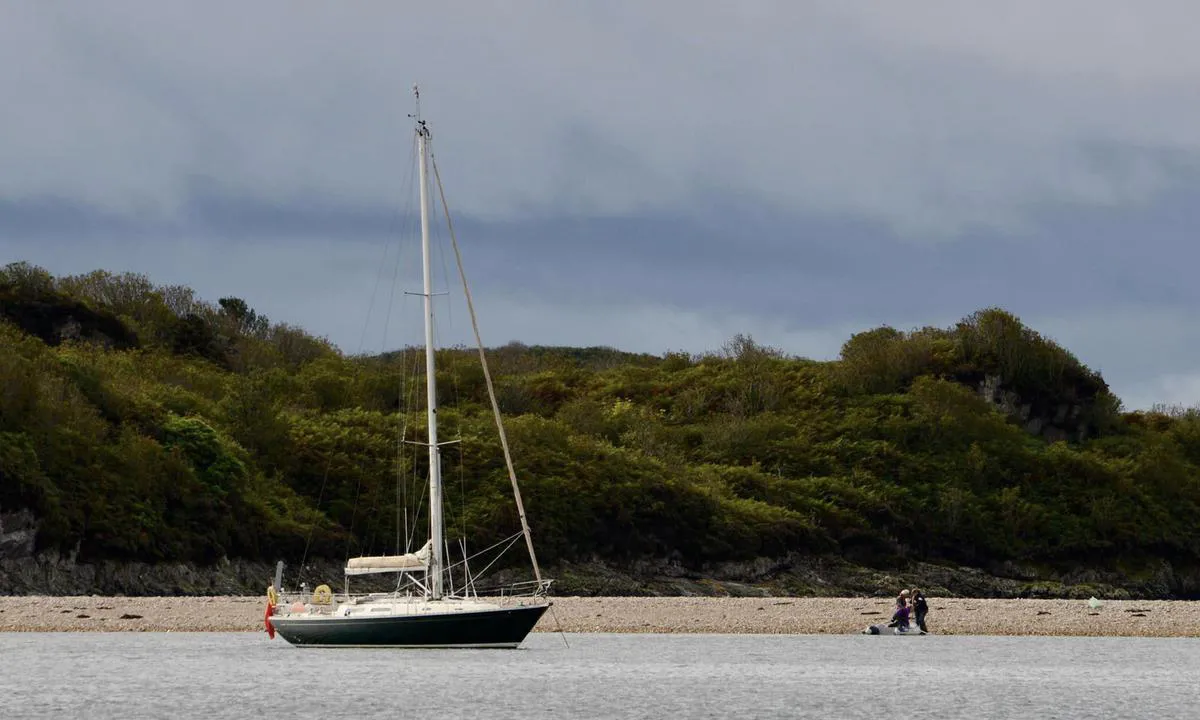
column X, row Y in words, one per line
column 760, row 615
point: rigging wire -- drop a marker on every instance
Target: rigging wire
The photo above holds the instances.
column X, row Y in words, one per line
column 362, row 340
column 462, row 459
column 487, row 376
column 558, row 626
column 440, row 247
column 386, row 242
column 402, row 391
column 313, row 528
column 371, row 529
column 410, row 391
column 383, row 346
column 416, row 479
column 462, row 477
column 458, row 417
column 402, row 428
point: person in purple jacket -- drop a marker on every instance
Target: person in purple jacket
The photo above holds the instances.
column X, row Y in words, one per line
column 901, row 616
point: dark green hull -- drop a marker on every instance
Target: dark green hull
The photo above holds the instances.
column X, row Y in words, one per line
column 500, row 628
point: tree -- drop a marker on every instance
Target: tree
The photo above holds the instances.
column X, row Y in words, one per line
column 245, row 320
column 26, row 280
column 193, row 335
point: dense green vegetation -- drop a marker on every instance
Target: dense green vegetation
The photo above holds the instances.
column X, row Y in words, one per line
column 139, row 422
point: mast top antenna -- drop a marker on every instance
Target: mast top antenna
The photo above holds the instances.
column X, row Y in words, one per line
column 416, row 89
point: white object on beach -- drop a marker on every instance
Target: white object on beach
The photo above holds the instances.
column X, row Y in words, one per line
column 1093, row 603
column 885, row 630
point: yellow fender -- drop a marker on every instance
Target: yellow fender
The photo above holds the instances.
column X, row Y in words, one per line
column 272, row 596
column 322, row 595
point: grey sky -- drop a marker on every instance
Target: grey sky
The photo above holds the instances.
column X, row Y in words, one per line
column 647, row 175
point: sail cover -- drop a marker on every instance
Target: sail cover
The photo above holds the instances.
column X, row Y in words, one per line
column 390, row 563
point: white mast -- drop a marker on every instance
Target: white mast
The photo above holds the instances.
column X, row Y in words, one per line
column 435, row 458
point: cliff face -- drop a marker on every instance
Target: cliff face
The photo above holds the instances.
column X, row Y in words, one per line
column 57, row 319
column 23, row 571
column 792, row 575
column 1058, row 421
column 18, row 532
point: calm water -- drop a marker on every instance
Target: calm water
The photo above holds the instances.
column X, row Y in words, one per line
column 219, row 675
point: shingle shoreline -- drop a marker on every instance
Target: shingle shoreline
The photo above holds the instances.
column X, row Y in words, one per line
column 761, row 615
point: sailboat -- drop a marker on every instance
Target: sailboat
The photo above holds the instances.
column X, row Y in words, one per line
column 424, row 610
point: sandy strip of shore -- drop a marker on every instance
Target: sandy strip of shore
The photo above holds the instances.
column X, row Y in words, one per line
column 772, row 615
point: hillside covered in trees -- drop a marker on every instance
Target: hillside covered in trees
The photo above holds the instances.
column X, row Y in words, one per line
column 141, row 424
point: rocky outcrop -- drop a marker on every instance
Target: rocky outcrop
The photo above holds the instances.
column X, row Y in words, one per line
column 18, row 534
column 1061, row 421
column 795, row 574
column 57, row 319
column 26, row 572
column 820, row 576
column 54, row 574
column 23, row 571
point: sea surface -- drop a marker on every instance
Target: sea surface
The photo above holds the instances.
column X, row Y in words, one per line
column 245, row 675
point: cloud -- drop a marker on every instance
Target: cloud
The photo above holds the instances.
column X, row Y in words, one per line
column 1182, row 390
column 931, row 119
column 650, row 176
column 1080, row 40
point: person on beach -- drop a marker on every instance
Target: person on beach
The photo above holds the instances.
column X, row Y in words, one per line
column 920, row 608
column 901, row 608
